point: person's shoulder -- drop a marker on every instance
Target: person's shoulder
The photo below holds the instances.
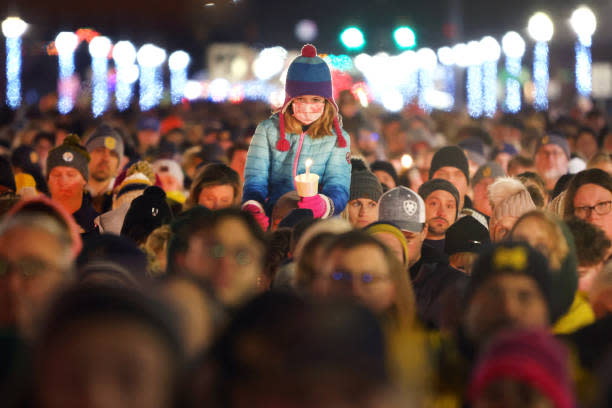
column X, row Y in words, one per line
column 272, row 121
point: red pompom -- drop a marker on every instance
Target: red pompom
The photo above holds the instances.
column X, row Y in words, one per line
column 283, row 145
column 309, row 50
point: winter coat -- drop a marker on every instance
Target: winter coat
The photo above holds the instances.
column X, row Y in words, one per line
column 269, row 173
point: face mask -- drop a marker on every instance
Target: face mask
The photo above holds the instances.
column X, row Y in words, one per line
column 308, row 112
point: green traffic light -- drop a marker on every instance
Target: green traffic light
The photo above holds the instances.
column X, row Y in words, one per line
column 405, row 37
column 352, row 38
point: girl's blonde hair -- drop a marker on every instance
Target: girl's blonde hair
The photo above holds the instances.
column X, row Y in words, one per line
column 321, row 127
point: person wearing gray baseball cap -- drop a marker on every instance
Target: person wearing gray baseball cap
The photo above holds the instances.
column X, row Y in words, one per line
column 105, row 147
column 405, row 208
column 552, row 159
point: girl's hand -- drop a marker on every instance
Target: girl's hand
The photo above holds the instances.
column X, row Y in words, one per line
column 318, row 204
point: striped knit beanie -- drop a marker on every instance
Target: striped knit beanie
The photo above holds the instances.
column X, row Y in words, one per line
column 308, row 74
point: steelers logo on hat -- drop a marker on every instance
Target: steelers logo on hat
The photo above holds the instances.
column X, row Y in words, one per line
column 486, row 172
column 110, row 143
column 34, row 157
column 68, row 157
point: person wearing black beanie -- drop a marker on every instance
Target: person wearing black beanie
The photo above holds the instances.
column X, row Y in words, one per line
column 385, row 173
column 501, row 275
column 441, row 207
column 451, row 164
column 465, row 239
column 362, row 208
column 146, row 213
column 67, row 176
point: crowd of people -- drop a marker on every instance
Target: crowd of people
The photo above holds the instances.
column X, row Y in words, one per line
column 166, row 259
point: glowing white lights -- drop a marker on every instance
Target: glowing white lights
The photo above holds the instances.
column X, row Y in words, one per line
column 427, row 58
column 66, row 43
column 540, row 75
column 491, row 53
column 124, row 55
column 513, row 46
column 540, row 27
column 193, row 90
column 584, row 23
column 490, row 48
column 427, row 62
column 178, row 62
column 446, row 56
column 362, row 62
column 306, row 30
column 219, row 89
column 474, row 80
column 269, row 63
column 99, row 48
column 150, row 58
column 13, row 28
column 461, row 55
column 393, row 101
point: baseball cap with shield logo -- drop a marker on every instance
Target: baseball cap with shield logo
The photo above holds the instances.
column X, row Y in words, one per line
column 404, row 208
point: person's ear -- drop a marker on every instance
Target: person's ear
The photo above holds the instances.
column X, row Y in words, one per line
column 424, row 233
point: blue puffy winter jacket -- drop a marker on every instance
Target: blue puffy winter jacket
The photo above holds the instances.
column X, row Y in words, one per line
column 269, row 172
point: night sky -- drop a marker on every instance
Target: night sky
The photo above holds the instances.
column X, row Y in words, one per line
column 190, row 25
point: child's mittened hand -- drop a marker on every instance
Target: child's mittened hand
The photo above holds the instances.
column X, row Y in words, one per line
column 315, row 203
column 261, row 218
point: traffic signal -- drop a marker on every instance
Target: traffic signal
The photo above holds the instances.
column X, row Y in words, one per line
column 352, row 38
column 405, row 37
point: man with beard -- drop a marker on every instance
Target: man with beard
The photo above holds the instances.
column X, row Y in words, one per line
column 105, row 147
column 552, row 159
column 441, row 206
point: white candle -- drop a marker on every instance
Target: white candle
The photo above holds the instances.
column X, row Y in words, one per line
column 308, row 164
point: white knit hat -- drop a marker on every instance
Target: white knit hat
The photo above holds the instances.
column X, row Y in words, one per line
column 170, row 166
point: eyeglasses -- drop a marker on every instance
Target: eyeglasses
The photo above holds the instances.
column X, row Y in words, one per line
column 601, row 208
column 242, row 256
column 364, row 278
column 28, row 267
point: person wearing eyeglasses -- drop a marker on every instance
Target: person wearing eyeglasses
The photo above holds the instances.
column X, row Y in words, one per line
column 358, row 265
column 552, row 159
column 38, row 243
column 224, row 249
column 589, row 197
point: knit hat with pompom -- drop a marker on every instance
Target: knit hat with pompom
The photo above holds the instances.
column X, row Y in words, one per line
column 69, row 154
column 308, row 74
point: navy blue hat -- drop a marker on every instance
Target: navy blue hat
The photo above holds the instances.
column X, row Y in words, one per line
column 149, row 123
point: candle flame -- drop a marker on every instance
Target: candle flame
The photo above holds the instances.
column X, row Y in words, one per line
column 308, row 163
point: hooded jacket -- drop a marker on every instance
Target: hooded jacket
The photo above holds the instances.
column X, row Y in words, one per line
column 269, row 173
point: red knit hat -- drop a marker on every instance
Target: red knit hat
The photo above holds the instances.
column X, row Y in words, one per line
column 308, row 74
column 530, row 356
